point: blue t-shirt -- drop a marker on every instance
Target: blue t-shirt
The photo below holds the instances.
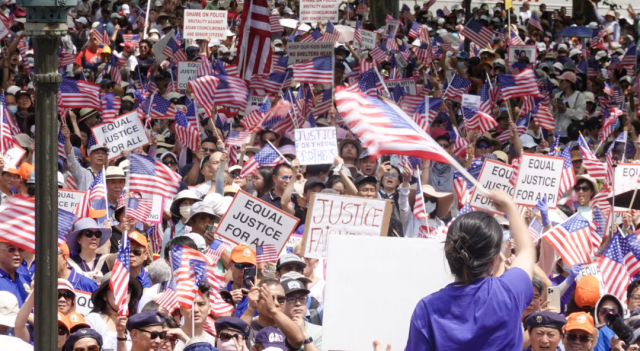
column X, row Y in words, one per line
column 485, row 315
column 20, row 287
column 604, row 336
column 82, row 283
column 143, row 278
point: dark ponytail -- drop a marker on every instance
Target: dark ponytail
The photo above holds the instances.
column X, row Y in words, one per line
column 473, row 240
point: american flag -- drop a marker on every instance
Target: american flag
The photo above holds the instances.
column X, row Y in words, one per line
column 173, row 52
column 97, row 191
column 486, row 98
column 113, row 69
column 397, row 93
column 186, row 132
column 318, row 70
column 232, row 69
column 267, row 156
column 418, row 207
column 61, row 142
column 66, row 59
column 100, row 33
column 379, row 53
column 139, row 209
column 70, row 182
column 162, row 108
column 7, row 119
column 456, row 88
column 384, row 128
column 190, row 268
column 141, row 18
column 149, row 176
column 18, row 222
column 369, row 83
column 169, row 297
column 110, row 107
column 271, row 83
column 611, row 115
column 499, row 33
column 478, row 120
column 571, row 240
column 410, row 102
column 331, row 34
column 279, row 63
column 357, row 33
column 619, row 264
column 598, row 227
column 218, row 306
column 521, row 84
column 204, row 89
column 535, row 229
column 515, row 164
column 231, row 92
column 568, row 178
column 209, row 326
column 215, row 250
column 630, row 59
column 543, row 116
column 79, row 94
column 131, row 38
column 414, row 31
column 391, row 46
column 266, row 253
column 514, row 38
column 459, row 143
column 238, row 138
column 622, row 138
column 65, row 223
column 255, row 40
column 522, row 125
column 594, row 167
column 314, row 36
column 477, row 33
column 253, row 120
column 424, row 115
column 155, row 233
column 323, row 103
column 533, row 21
column 406, row 13
column 119, row 282
column 204, row 68
column 274, row 21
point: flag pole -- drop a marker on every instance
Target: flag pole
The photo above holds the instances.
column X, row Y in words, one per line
column 193, row 318
column 104, row 182
column 146, row 19
column 1, row 128
column 424, row 208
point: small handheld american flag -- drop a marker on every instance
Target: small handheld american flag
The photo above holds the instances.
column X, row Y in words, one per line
column 119, row 282
column 266, row 253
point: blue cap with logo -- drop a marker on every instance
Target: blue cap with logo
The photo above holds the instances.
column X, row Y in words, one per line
column 545, row 319
column 81, row 334
column 271, row 337
column 145, row 319
column 232, row 323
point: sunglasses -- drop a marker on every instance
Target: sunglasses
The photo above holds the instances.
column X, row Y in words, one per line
column 391, row 175
column 605, row 310
column 206, row 149
column 483, row 146
column 89, row 234
column 169, row 163
column 583, row 338
column 228, row 336
column 583, row 188
column 62, row 331
column 243, row 265
column 286, row 177
column 68, row 295
column 281, row 299
column 138, row 252
column 236, row 175
column 155, row 334
column 89, row 348
column 13, row 249
column 302, row 299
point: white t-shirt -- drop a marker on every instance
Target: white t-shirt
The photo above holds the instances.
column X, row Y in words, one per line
column 317, row 291
column 14, row 344
column 109, row 337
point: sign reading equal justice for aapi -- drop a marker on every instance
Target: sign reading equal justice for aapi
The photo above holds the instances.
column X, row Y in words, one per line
column 539, row 177
column 126, row 133
column 253, row 222
column 330, row 215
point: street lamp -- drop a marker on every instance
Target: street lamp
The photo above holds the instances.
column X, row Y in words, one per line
column 46, row 23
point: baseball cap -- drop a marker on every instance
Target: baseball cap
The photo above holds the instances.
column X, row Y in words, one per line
column 292, row 286
column 587, row 291
column 527, row 141
column 24, row 170
column 77, row 320
column 570, row 76
column 82, row 20
column 290, row 259
column 295, row 275
column 243, row 254
column 271, row 338
column 312, row 182
column 98, row 147
column 130, row 47
column 8, row 309
column 579, row 321
column 139, row 238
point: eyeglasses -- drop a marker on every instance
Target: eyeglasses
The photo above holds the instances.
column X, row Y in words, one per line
column 155, row 334
column 293, row 299
column 583, row 188
column 635, row 297
column 605, row 310
column 256, row 178
column 89, row 348
column 138, row 252
column 89, row 234
column 62, row 331
column 169, row 163
column 391, row 175
column 483, row 146
column 13, row 249
column 242, row 265
column 144, row 47
column 236, row 175
column 228, row 336
column 281, row 299
column 285, row 178
column 206, row 149
column 583, row 338
column 68, row 295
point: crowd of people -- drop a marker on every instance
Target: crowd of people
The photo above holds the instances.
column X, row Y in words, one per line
column 584, row 110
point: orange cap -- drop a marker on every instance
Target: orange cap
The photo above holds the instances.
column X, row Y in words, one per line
column 579, row 321
column 12, row 171
column 139, row 238
column 243, row 254
column 587, row 291
column 76, row 319
column 64, row 320
column 24, row 170
column 65, row 249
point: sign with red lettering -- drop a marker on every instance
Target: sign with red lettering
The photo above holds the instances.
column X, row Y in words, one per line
column 539, row 177
column 342, row 215
column 300, row 52
column 253, row 222
column 312, row 11
column 200, row 24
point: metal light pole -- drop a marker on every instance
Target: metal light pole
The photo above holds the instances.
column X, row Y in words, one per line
column 46, row 22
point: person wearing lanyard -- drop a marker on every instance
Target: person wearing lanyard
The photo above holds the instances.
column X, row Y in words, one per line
column 78, row 281
column 83, row 243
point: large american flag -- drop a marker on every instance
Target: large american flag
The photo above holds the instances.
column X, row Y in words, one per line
column 571, row 240
column 18, row 222
column 169, row 297
column 119, row 282
column 266, row 253
column 592, row 164
column 477, row 33
column 215, row 250
column 478, row 120
column 457, row 87
column 331, row 34
column 97, row 191
column 267, row 156
column 255, row 39
column 274, row 22
column 568, row 178
column 314, row 36
column 186, row 132
column 279, row 63
column 110, row 107
column 139, row 209
column 619, row 263
column 204, row 89
column 269, row 82
column 318, row 70
column 231, row 92
column 149, row 176
column 521, row 84
column 410, row 102
column 384, row 128
column 79, row 94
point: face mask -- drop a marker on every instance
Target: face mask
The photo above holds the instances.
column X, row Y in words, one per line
column 461, row 64
column 13, row 109
column 350, row 60
column 226, row 346
column 549, row 63
column 185, row 211
column 605, row 65
column 565, row 267
column 429, row 206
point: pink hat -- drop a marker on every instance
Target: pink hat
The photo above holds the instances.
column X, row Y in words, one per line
column 437, row 132
column 64, row 284
column 570, row 76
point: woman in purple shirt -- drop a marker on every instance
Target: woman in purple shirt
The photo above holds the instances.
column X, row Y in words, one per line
column 478, row 311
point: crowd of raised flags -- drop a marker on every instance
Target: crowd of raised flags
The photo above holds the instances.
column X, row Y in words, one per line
column 233, row 128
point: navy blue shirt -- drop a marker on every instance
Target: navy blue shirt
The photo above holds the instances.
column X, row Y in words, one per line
column 20, row 287
column 82, row 283
column 143, row 278
column 242, row 305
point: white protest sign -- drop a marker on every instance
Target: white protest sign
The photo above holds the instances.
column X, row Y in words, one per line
column 156, row 209
column 519, row 51
column 331, row 215
column 68, row 200
column 126, row 133
column 294, row 240
column 316, row 146
column 402, row 63
column 471, row 101
column 83, row 302
column 626, row 177
column 186, row 72
column 312, row 11
column 253, row 222
column 592, row 269
column 539, row 177
column 494, row 175
column 159, row 46
column 390, row 29
column 368, row 40
column 379, row 279
column 300, row 52
column 409, row 85
column 256, row 100
column 13, row 156
column 200, row 24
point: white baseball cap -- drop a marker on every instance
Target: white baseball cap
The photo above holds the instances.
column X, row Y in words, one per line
column 82, row 20
column 8, row 309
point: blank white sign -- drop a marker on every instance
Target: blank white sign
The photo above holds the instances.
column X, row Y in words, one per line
column 366, row 295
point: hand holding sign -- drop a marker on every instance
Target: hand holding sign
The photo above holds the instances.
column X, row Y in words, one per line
column 502, row 202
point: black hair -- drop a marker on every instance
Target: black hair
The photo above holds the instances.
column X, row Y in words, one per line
column 574, row 130
column 145, row 41
column 208, row 140
column 151, row 306
column 581, row 181
column 276, row 169
column 333, row 180
column 179, row 240
column 399, row 173
column 567, row 210
column 269, row 282
column 315, row 170
column 473, row 241
column 596, row 123
column 204, row 288
column 632, row 286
